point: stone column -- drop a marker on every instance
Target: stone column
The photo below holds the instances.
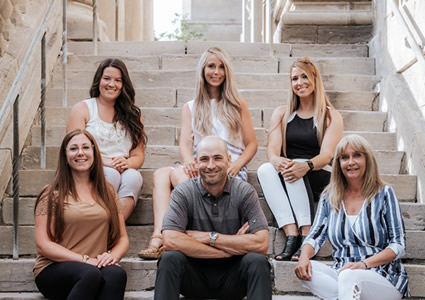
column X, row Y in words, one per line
column 133, row 20
column 256, row 20
column 139, row 20
column 106, row 12
column 246, row 21
column 148, row 20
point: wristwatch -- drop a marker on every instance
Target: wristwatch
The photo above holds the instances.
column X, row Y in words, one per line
column 213, row 237
column 310, row 165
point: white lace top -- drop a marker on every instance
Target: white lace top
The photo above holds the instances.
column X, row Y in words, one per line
column 111, row 139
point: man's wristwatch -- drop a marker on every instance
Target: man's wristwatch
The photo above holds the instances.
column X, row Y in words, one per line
column 213, row 237
column 310, row 165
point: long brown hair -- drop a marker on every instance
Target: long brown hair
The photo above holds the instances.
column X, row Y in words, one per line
column 126, row 112
column 63, row 186
column 228, row 109
column 372, row 182
column 321, row 102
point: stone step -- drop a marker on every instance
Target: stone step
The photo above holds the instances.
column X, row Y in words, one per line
column 329, row 50
column 233, row 48
column 353, row 120
column 413, row 213
column 254, row 64
column 133, row 295
column 33, row 180
column 326, row 34
column 169, row 135
column 255, row 98
column 139, row 238
column 389, row 161
column 186, row 78
column 18, row 277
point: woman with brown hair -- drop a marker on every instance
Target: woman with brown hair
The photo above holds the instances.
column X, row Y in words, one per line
column 116, row 123
column 302, row 138
column 80, row 232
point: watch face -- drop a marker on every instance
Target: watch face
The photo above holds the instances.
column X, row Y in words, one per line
column 310, row 164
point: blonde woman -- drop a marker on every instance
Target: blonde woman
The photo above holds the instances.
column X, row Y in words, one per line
column 216, row 110
column 302, row 138
column 361, row 218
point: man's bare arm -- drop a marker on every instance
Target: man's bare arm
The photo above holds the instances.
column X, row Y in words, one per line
column 189, row 246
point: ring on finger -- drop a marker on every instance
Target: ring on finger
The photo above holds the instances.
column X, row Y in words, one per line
column 290, row 177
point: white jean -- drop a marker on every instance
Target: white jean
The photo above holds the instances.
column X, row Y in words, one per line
column 349, row 284
column 279, row 202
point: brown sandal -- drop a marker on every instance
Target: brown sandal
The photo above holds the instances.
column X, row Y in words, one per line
column 152, row 252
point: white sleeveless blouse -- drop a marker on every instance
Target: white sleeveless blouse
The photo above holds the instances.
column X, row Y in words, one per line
column 111, row 139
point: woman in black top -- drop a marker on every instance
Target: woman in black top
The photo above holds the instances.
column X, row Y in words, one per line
column 302, row 139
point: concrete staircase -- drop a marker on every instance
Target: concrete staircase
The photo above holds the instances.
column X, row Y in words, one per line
column 164, row 75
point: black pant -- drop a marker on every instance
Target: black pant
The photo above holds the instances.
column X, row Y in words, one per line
column 229, row 278
column 73, row 280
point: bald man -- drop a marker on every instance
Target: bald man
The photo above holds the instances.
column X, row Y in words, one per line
column 215, row 234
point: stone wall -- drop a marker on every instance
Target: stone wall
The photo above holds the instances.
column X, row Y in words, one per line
column 222, row 19
column 19, row 22
column 402, row 93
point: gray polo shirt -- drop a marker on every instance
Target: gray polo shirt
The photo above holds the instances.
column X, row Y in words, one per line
column 193, row 208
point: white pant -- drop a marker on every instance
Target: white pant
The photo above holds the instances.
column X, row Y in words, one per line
column 327, row 284
column 278, row 201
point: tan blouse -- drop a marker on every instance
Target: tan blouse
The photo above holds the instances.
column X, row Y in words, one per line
column 85, row 232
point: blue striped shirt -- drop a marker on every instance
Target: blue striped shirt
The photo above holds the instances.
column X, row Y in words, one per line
column 378, row 226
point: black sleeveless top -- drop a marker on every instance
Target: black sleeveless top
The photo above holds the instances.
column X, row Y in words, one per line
column 301, row 138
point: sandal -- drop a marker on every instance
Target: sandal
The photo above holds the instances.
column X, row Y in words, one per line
column 152, row 252
column 291, row 245
column 297, row 254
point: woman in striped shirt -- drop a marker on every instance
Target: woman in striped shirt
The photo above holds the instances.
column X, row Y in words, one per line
column 362, row 220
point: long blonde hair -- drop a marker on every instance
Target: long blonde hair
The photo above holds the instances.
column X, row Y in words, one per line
column 228, row 108
column 321, row 102
column 372, row 182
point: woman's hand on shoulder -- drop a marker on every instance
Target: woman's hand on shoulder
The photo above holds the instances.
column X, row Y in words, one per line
column 303, row 270
column 78, row 117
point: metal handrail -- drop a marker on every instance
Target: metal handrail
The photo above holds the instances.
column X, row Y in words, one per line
column 94, row 28
column 11, row 103
column 417, row 50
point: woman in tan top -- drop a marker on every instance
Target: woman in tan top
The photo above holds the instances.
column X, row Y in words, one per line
column 79, row 227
